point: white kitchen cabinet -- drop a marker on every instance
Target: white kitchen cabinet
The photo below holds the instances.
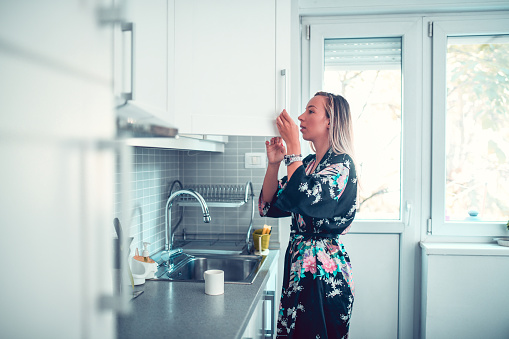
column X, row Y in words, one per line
column 56, row 127
column 144, row 57
column 44, row 46
column 262, row 323
column 254, row 328
column 270, row 305
column 464, row 291
column 229, row 58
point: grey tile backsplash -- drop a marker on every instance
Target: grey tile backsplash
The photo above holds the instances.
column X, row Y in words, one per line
column 152, row 169
column 155, row 169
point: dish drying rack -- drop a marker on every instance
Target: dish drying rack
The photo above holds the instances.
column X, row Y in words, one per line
column 221, row 196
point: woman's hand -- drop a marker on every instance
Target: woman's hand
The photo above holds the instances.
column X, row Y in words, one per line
column 275, row 150
column 289, row 132
column 275, row 153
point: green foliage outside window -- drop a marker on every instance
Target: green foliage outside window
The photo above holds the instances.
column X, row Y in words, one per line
column 477, row 146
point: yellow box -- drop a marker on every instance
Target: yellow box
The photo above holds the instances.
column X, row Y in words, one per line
column 257, row 234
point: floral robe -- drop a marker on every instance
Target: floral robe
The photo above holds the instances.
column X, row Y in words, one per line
column 318, row 290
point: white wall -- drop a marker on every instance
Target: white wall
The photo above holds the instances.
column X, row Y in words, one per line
column 375, row 268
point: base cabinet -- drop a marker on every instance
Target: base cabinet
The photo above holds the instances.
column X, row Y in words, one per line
column 263, row 321
column 255, row 326
column 464, row 291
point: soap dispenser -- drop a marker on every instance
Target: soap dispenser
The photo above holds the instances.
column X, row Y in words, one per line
column 145, row 253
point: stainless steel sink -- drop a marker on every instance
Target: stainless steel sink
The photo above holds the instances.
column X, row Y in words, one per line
column 238, row 269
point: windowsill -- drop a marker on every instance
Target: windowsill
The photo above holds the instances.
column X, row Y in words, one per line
column 464, row 249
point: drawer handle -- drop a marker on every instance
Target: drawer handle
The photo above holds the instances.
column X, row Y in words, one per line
column 270, row 296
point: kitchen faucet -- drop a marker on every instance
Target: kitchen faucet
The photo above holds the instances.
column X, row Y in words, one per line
column 168, row 245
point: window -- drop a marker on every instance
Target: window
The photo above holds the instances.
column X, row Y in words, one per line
column 367, row 72
column 372, row 62
column 477, row 128
column 431, row 117
column 470, row 183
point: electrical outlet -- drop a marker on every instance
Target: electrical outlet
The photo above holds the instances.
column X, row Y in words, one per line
column 255, row 160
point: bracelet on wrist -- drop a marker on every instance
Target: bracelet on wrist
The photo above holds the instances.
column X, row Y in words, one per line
column 290, row 158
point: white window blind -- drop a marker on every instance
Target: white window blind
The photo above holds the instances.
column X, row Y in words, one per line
column 362, row 53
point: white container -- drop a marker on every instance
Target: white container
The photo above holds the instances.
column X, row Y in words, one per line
column 142, row 270
column 214, row 282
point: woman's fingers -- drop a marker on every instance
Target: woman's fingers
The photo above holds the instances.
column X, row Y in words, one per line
column 284, row 123
column 279, row 121
column 284, row 114
column 286, row 118
column 274, row 142
column 275, row 145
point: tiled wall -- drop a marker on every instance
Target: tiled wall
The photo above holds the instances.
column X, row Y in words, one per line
column 153, row 170
column 206, row 168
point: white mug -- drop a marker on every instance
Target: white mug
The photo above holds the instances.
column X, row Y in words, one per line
column 214, row 282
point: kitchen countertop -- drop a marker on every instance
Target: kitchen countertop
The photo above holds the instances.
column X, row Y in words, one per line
column 177, row 309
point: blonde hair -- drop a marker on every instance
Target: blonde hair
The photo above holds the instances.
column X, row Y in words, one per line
column 337, row 110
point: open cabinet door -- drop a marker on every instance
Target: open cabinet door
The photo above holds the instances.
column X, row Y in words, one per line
column 57, row 178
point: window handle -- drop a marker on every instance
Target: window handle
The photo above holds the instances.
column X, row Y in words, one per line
column 408, row 213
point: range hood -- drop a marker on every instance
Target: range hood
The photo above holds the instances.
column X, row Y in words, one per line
column 135, row 122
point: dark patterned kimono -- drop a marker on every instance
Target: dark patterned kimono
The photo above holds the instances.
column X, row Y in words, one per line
column 318, row 290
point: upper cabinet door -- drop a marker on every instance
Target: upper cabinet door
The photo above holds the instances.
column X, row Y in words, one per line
column 227, row 75
column 55, row 70
column 141, row 56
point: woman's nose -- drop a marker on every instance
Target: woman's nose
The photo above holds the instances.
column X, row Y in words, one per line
column 300, row 117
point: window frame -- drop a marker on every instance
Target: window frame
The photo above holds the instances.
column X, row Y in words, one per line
column 409, row 29
column 435, row 50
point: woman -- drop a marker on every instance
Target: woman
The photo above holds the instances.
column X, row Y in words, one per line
column 320, row 194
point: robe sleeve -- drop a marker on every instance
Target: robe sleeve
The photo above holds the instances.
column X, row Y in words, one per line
column 329, row 193
column 268, row 209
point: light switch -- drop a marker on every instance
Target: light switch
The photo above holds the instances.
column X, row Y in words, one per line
column 255, row 160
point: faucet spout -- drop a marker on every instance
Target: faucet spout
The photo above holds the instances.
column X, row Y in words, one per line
column 168, row 246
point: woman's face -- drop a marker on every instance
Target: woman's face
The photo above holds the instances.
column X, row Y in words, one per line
column 314, row 124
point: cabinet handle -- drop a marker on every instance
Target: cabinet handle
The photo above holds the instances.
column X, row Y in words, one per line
column 270, row 296
column 283, row 73
column 129, row 27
